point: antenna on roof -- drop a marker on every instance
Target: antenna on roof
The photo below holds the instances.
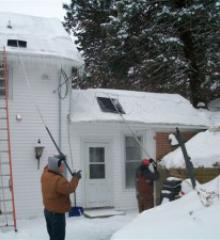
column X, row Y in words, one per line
column 214, row 105
column 9, row 24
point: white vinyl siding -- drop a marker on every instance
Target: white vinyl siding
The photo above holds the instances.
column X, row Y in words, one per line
column 26, row 132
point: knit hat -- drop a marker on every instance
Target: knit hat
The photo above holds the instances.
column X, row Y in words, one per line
column 145, row 162
column 54, row 164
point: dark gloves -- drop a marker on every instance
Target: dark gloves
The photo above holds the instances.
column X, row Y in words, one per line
column 61, row 158
column 77, row 174
column 151, row 160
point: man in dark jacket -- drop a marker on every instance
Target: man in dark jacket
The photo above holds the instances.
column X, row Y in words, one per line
column 55, row 191
column 146, row 174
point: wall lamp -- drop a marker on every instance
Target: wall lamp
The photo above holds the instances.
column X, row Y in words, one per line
column 38, row 149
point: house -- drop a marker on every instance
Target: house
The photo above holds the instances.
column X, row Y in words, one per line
column 112, row 130
column 41, row 58
column 103, row 132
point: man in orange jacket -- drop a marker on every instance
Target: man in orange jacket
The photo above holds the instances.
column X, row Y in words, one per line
column 55, row 191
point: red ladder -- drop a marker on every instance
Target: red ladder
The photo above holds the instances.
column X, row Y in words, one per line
column 7, row 203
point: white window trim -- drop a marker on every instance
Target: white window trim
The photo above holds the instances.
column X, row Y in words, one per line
column 132, row 189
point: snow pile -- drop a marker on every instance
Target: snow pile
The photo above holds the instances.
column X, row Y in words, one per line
column 185, row 218
column 203, row 149
column 139, row 107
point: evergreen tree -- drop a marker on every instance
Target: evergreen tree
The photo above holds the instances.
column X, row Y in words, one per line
column 152, row 45
column 84, row 19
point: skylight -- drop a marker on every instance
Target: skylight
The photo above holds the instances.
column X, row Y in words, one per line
column 110, row 105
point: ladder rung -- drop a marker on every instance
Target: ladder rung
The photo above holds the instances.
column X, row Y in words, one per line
column 2, row 108
column 5, row 187
column 3, row 129
column 3, row 140
column 4, row 163
column 7, row 213
column 5, row 175
column 3, row 118
column 3, row 151
column 6, row 225
column 6, row 200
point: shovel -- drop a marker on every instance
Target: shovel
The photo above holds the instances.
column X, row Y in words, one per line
column 75, row 211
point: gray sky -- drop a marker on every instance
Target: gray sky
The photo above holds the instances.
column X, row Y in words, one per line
column 46, row 8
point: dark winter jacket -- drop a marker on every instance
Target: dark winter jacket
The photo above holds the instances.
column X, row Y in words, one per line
column 55, row 191
column 144, row 180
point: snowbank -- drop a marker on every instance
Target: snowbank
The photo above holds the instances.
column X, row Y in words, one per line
column 203, row 149
column 185, row 218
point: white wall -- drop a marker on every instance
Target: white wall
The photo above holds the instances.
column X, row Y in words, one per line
column 114, row 133
column 42, row 73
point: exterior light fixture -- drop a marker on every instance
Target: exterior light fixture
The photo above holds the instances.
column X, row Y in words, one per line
column 39, row 148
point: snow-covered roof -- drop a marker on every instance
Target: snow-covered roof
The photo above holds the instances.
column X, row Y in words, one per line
column 139, row 107
column 43, row 36
column 203, row 150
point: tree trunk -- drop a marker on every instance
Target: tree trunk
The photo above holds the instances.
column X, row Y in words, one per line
column 185, row 35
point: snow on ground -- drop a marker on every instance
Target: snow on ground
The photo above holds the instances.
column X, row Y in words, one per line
column 203, row 149
column 185, row 218
column 77, row 228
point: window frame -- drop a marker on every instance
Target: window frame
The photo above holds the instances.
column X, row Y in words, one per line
column 131, row 161
column 17, row 43
column 97, row 163
column 110, row 105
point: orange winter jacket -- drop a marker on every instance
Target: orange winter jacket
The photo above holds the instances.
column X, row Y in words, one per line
column 55, row 191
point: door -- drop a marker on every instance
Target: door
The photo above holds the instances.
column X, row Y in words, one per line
column 98, row 192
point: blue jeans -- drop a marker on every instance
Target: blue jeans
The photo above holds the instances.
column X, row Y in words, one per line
column 56, row 224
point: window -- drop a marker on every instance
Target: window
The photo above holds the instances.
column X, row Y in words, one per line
column 111, row 105
column 96, row 162
column 2, row 81
column 17, row 43
column 12, row 43
column 22, row 44
column 133, row 156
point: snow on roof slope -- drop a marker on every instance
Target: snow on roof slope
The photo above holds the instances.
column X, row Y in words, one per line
column 185, row 218
column 203, row 149
column 140, row 107
column 43, row 35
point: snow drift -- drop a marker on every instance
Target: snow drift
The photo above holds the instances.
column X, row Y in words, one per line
column 185, row 218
